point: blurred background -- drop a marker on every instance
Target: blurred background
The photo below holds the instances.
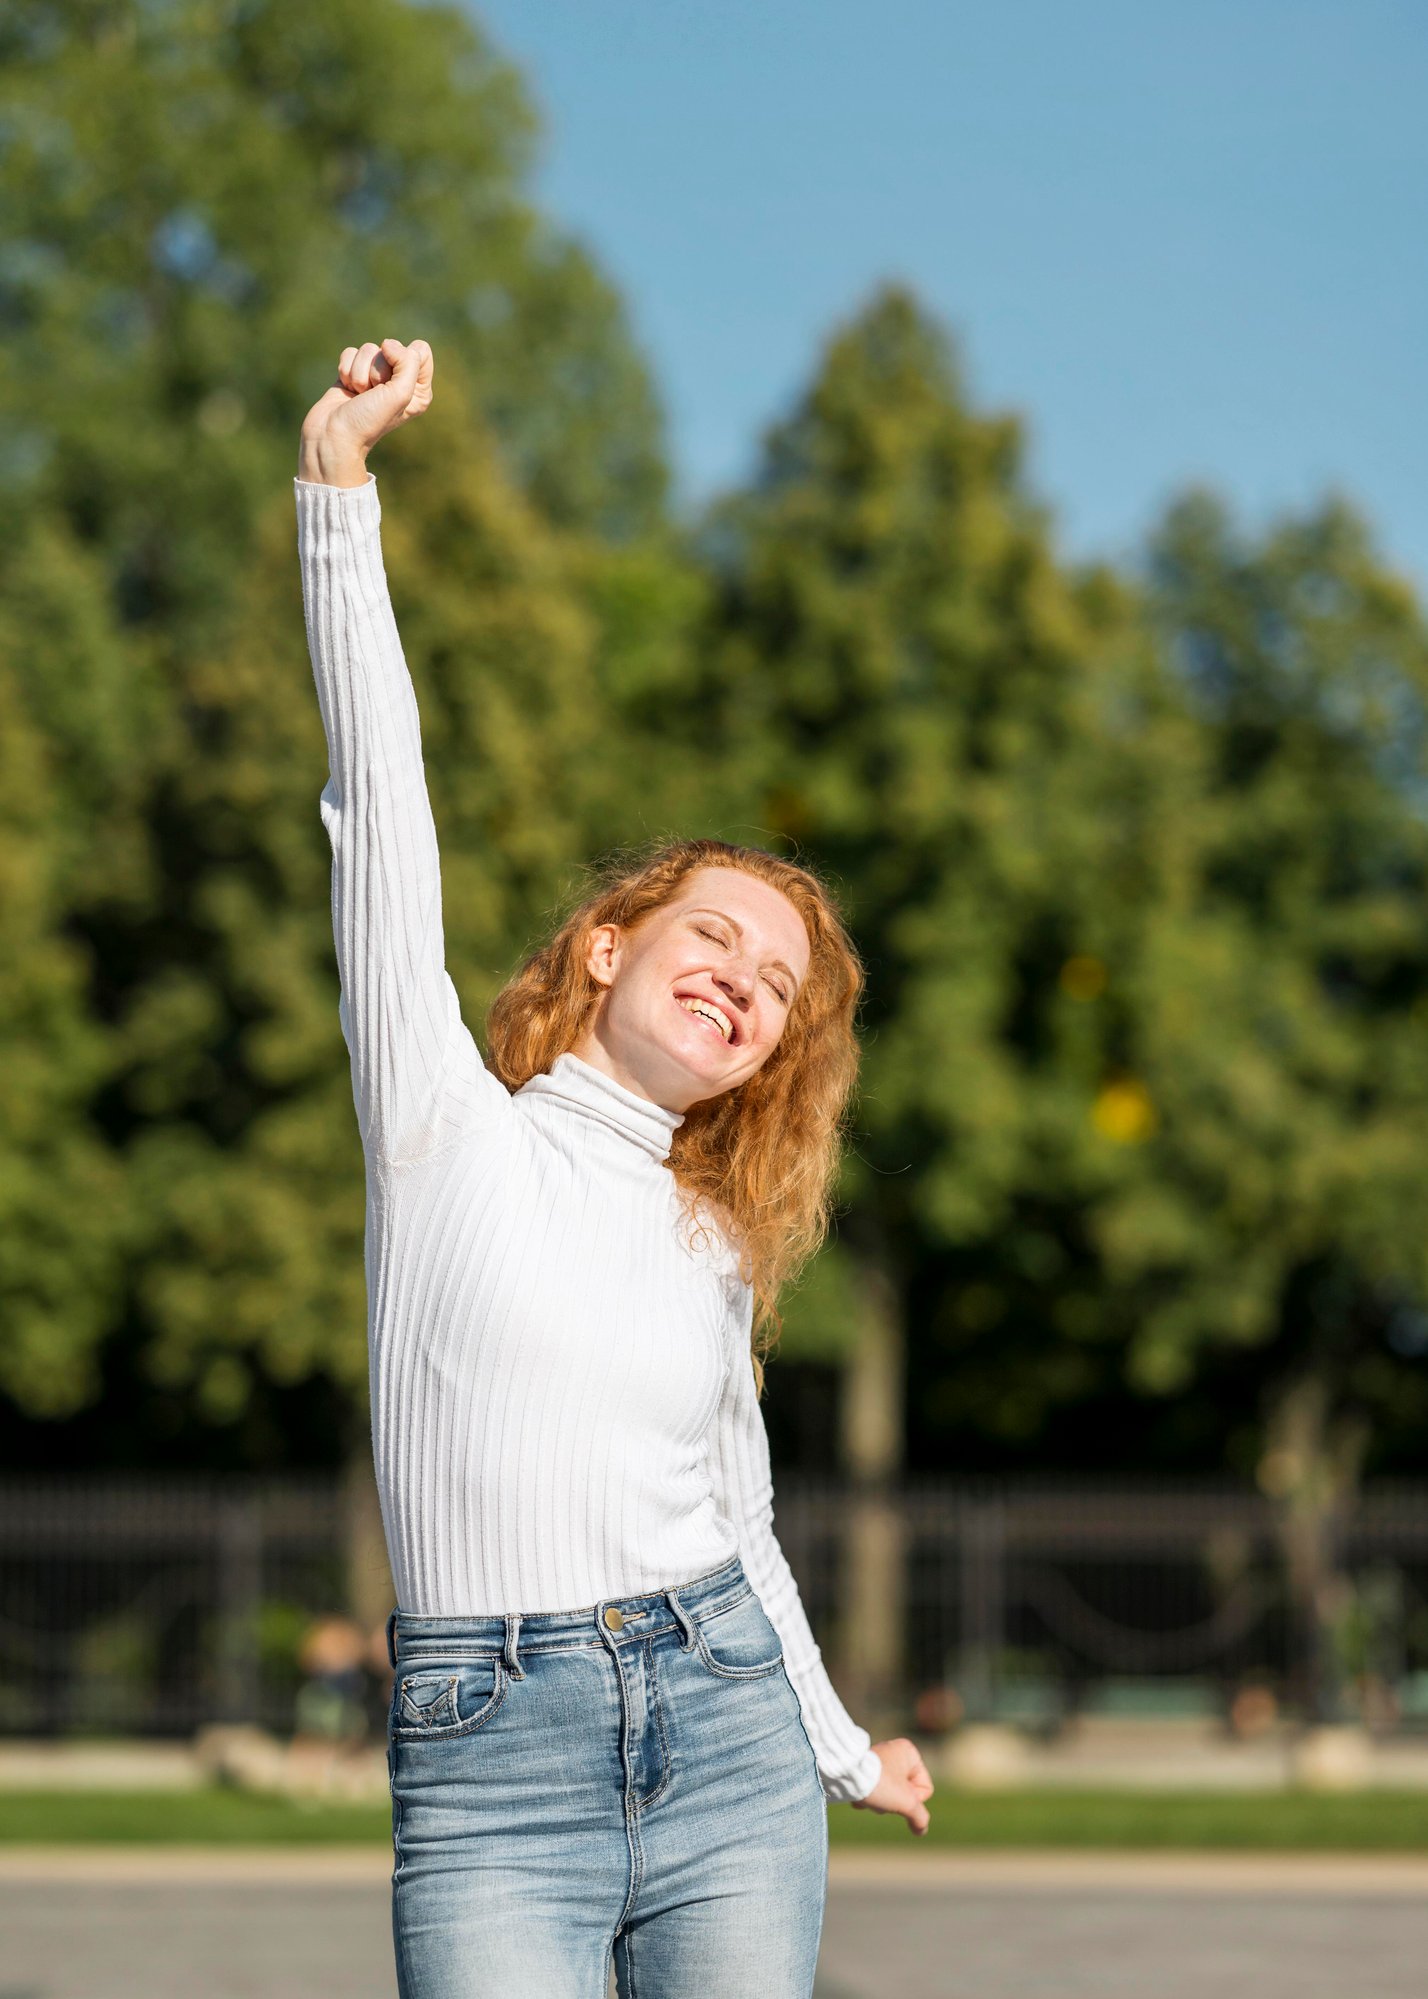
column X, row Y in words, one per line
column 980, row 454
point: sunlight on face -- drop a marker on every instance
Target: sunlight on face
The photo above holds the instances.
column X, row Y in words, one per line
column 698, row 993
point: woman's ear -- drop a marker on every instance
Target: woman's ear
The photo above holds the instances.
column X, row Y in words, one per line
column 602, row 953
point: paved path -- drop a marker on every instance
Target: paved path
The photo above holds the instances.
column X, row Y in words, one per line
column 135, row 1924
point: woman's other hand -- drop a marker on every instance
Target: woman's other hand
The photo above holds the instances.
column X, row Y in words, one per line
column 378, row 388
column 904, row 1786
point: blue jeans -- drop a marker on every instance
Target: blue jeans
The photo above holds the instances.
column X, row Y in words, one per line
column 634, row 1776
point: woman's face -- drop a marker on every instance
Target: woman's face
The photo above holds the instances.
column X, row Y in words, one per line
column 698, row 992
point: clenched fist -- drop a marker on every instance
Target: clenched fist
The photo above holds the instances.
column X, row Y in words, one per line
column 377, row 389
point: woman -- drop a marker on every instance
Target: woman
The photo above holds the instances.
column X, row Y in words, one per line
column 611, row 1729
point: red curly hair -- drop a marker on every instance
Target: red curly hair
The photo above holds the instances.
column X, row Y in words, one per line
column 764, row 1156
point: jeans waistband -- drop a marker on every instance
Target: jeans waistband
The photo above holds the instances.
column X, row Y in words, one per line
column 411, row 1636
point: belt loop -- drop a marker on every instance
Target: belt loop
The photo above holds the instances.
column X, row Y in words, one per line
column 392, row 1640
column 511, row 1656
column 686, row 1623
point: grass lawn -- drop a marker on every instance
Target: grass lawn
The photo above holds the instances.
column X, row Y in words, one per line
column 1278, row 1821
column 1372, row 1821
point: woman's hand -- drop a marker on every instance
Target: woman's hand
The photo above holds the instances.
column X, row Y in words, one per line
column 904, row 1785
column 377, row 389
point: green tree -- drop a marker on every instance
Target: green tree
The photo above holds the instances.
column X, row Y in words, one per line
column 61, row 1215
column 1282, row 994
column 899, row 673
column 202, row 202
column 1283, row 975
column 902, row 678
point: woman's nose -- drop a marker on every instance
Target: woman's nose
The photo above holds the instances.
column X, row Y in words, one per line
column 737, row 981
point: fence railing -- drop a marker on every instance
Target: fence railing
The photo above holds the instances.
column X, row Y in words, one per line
column 154, row 1606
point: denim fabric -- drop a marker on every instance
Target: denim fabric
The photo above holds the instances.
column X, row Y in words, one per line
column 562, row 1789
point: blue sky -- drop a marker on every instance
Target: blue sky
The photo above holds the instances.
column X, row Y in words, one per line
column 1185, row 242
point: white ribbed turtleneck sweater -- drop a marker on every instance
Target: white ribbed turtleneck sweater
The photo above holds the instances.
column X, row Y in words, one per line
column 563, row 1400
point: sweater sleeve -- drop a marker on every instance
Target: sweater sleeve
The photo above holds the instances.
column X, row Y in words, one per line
column 418, row 1080
column 848, row 1765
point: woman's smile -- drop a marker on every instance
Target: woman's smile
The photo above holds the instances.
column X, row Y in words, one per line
column 692, row 1005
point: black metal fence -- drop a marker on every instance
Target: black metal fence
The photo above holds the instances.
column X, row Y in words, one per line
column 1035, row 1602
column 152, row 1607
column 149, row 1607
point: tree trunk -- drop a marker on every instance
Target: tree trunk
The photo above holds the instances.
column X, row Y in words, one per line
column 1311, row 1465
column 872, row 1447
column 370, row 1598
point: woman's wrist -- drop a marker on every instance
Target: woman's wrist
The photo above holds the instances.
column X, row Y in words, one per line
column 324, row 464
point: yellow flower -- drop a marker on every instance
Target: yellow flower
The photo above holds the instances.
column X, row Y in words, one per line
column 1123, row 1111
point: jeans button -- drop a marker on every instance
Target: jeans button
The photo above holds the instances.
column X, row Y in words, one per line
column 614, row 1618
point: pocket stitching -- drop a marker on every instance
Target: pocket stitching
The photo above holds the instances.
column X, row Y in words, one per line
column 713, row 1616
column 449, row 1731
column 736, row 1672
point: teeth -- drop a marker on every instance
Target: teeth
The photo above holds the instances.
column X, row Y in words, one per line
column 708, row 1013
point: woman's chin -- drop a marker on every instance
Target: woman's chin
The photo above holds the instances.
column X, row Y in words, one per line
column 706, row 1068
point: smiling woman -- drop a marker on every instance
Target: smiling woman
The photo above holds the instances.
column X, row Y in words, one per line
column 566, row 1252
column 754, row 945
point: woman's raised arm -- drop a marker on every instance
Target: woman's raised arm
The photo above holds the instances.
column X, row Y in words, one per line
column 417, row 1076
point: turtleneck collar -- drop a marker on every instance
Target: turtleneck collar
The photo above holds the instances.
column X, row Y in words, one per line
column 588, row 1092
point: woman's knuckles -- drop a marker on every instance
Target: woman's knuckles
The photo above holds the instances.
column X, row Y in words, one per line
column 355, row 408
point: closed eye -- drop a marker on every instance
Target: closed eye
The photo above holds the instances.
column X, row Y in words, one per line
column 777, row 990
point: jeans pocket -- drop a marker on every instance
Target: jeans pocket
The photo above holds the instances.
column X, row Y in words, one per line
column 435, row 1703
column 738, row 1643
